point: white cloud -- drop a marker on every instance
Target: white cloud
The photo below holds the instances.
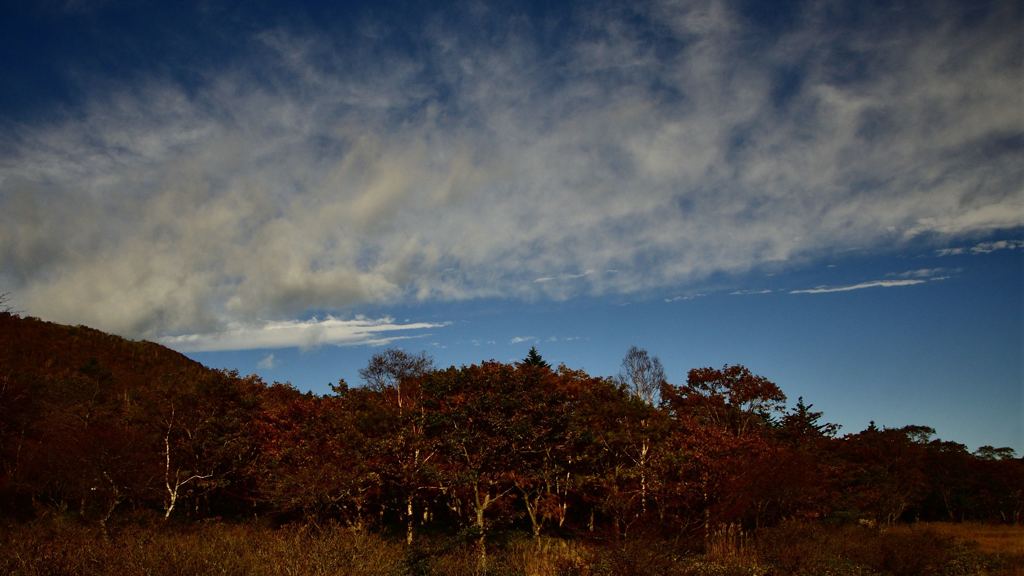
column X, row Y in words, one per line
column 987, row 247
column 267, row 362
column 563, row 277
column 861, row 286
column 521, row 339
column 982, row 248
column 300, row 334
column 683, row 298
column 564, row 338
column 925, row 273
column 750, row 292
column 323, row 173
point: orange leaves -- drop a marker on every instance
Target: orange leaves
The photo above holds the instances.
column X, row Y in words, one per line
column 731, row 397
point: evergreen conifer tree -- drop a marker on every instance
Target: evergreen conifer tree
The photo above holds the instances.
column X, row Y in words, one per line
column 533, row 358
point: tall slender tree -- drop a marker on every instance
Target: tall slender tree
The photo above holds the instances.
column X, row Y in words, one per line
column 396, row 374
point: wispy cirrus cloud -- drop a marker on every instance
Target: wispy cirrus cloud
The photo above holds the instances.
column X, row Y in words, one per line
column 563, row 277
column 750, row 292
column 858, row 286
column 982, row 248
column 669, row 141
column 299, row 334
column 683, row 298
column 931, row 274
column 894, row 280
column 564, row 338
column 550, row 339
column 920, row 273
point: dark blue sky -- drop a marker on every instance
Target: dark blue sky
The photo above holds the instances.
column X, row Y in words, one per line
column 829, row 193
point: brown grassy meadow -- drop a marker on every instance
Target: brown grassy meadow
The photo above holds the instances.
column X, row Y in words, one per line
column 59, row 547
column 1000, row 541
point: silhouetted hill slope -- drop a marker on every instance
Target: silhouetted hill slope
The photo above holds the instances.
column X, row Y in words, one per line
column 40, row 351
column 98, row 422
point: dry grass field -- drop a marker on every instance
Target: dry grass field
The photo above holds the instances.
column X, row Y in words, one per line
column 1003, row 541
column 795, row 549
column 991, row 538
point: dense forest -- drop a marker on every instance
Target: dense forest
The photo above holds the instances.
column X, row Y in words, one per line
column 100, row 428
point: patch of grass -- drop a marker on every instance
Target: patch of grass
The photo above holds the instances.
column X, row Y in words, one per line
column 548, row 557
column 227, row 549
column 520, row 556
column 814, row 549
column 1002, row 543
column 1005, row 539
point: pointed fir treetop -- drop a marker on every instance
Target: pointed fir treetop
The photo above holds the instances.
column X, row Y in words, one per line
column 802, row 422
column 533, row 358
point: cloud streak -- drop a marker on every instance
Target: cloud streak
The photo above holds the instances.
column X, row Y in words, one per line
column 683, row 298
column 563, row 277
column 298, row 334
column 668, row 141
column 860, row 286
column 982, row 248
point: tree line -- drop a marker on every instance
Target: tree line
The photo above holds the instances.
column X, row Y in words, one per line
column 101, row 427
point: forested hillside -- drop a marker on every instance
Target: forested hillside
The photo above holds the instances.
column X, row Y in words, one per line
column 100, row 427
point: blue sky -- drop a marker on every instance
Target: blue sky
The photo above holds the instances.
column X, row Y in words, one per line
column 827, row 192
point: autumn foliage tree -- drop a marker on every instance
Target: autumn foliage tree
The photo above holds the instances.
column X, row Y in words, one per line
column 542, row 470
column 393, row 378
column 317, row 462
column 723, row 418
column 474, row 413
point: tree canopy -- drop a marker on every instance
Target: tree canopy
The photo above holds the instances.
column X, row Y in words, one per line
column 99, row 425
